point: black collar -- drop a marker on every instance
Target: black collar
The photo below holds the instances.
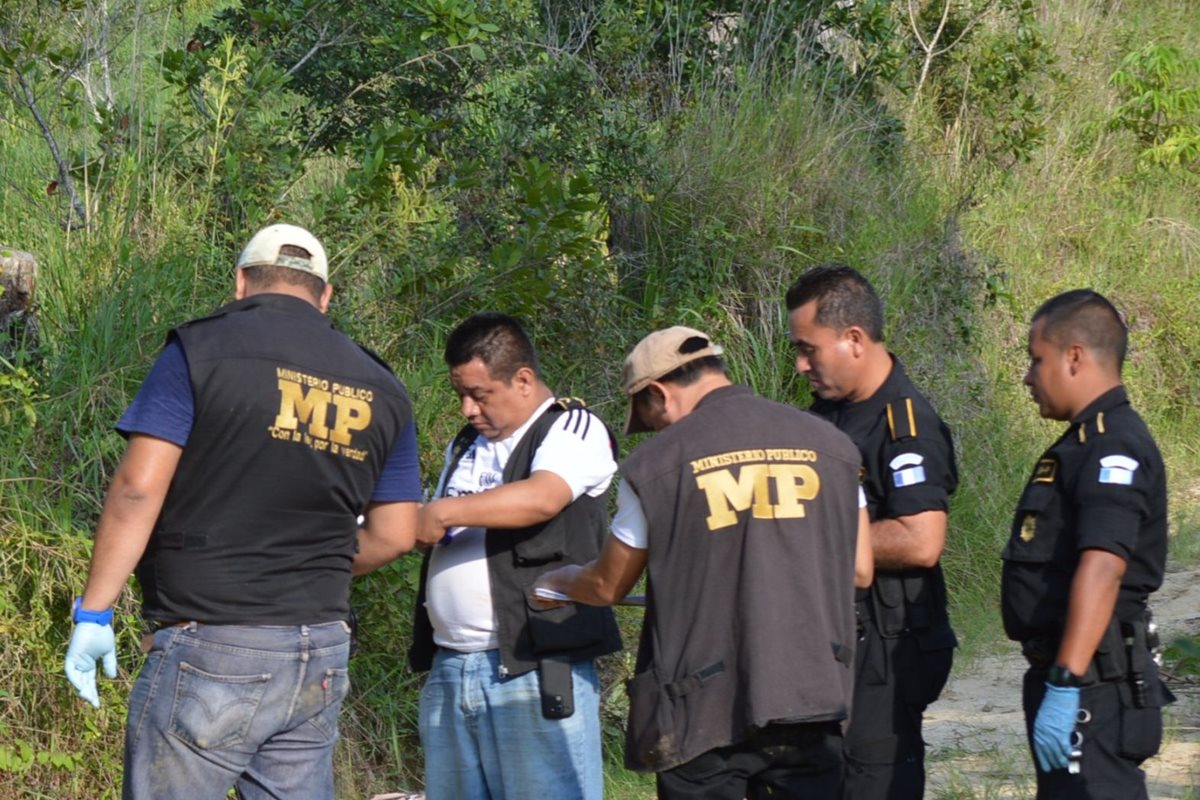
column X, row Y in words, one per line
column 1114, row 397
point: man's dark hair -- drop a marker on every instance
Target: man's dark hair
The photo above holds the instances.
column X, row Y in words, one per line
column 1082, row 316
column 844, row 298
column 497, row 340
column 264, row 276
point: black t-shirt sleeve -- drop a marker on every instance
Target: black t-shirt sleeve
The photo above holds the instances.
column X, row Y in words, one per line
column 1112, row 497
column 918, row 473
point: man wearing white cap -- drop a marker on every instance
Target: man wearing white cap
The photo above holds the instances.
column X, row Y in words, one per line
column 256, row 441
column 748, row 517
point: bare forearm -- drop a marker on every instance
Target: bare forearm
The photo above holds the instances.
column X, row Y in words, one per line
column 864, row 559
column 389, row 530
column 131, row 509
column 890, row 541
column 910, row 541
column 374, row 553
column 514, row 505
column 603, row 581
column 1094, row 591
column 591, row 587
column 125, row 526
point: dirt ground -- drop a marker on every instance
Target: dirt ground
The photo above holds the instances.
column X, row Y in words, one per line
column 976, row 731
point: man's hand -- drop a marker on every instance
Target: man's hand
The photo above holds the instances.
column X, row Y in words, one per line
column 430, row 529
column 90, row 642
column 556, row 579
column 1053, row 727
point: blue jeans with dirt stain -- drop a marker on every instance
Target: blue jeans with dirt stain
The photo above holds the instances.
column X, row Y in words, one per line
column 485, row 738
column 219, row 706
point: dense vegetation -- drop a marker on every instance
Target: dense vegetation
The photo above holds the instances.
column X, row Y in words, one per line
column 600, row 168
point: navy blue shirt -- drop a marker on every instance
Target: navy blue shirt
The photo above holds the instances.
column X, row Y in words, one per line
column 165, row 409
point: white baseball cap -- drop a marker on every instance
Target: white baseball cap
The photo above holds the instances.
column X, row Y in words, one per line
column 264, row 250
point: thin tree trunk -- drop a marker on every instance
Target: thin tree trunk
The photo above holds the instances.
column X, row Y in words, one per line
column 64, row 172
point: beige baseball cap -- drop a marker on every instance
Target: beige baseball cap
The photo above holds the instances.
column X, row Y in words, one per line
column 656, row 355
column 264, row 250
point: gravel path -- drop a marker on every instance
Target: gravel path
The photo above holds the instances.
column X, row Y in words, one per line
column 976, row 730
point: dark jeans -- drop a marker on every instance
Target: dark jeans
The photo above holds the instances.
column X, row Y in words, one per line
column 780, row 761
column 894, row 681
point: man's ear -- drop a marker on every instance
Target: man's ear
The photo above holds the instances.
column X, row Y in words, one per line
column 326, row 294
column 239, row 285
column 857, row 338
column 1075, row 355
column 524, row 379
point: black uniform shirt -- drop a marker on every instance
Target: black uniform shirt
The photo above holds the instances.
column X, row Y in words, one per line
column 1101, row 485
column 907, row 452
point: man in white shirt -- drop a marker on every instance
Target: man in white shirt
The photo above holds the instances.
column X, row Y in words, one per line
column 511, row 705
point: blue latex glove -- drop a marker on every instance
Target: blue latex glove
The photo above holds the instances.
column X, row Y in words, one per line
column 90, row 642
column 1053, row 727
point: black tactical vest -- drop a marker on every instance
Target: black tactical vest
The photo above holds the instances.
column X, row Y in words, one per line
column 293, row 424
column 752, row 513
column 517, row 557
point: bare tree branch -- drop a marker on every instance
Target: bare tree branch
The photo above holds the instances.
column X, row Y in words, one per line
column 930, row 46
column 64, row 172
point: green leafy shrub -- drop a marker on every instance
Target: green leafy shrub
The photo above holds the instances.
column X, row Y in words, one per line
column 1159, row 89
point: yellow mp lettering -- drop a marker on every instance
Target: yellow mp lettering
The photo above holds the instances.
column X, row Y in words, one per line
column 352, row 415
column 727, row 495
column 296, row 406
column 793, row 483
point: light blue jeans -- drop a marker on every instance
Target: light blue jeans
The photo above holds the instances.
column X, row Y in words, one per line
column 485, row 738
column 255, row 707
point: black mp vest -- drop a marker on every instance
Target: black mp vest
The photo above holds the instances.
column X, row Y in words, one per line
column 516, row 557
column 293, row 424
column 752, row 513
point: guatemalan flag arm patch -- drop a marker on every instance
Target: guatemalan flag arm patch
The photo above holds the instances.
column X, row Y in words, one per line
column 1118, row 470
column 907, row 469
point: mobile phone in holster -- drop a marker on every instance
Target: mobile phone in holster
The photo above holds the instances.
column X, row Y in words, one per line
column 555, row 680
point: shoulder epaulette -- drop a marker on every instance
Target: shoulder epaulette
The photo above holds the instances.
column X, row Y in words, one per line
column 570, row 403
column 465, row 438
column 1091, row 427
column 902, row 419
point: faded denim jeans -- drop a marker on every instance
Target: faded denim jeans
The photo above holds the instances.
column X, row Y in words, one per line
column 485, row 738
column 255, row 707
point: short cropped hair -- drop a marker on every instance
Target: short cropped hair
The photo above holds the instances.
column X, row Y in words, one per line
column 1082, row 316
column 264, row 276
column 497, row 340
column 844, row 298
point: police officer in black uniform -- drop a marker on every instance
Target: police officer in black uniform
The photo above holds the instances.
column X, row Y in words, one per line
column 1088, row 547
column 906, row 645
